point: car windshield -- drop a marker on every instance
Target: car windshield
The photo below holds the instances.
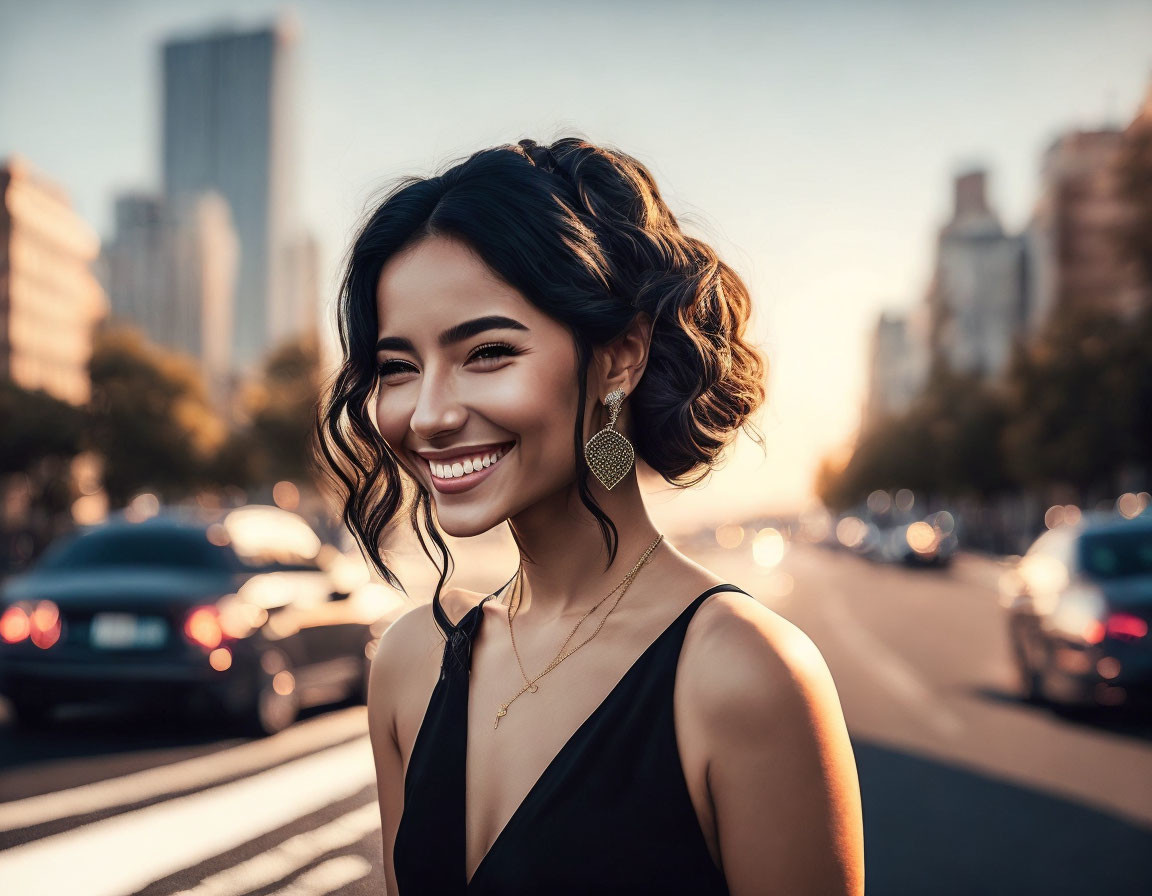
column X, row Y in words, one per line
column 1114, row 555
column 162, row 547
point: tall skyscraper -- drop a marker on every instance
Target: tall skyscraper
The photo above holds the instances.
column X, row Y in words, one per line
column 170, row 270
column 227, row 109
column 1074, row 252
column 976, row 296
column 50, row 299
column 898, row 365
column 135, row 266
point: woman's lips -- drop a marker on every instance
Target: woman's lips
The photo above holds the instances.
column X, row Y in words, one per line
column 468, row 480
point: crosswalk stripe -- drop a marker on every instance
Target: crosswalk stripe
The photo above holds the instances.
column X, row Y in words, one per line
column 129, row 851
column 301, row 739
column 291, row 855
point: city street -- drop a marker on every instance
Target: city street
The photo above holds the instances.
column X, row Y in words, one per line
column 966, row 789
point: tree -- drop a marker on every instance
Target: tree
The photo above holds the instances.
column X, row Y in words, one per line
column 36, row 425
column 281, row 406
column 1074, row 402
column 39, row 439
column 150, row 418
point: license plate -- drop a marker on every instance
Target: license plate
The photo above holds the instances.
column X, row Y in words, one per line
column 119, row 631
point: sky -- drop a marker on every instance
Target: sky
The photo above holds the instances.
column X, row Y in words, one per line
column 812, row 143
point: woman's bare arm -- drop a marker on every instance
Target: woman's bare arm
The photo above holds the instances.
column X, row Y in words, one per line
column 385, row 691
column 781, row 771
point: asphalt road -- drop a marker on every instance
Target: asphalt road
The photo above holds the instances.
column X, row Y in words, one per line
column 966, row 789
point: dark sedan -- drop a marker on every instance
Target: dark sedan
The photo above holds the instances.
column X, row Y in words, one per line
column 233, row 613
column 1079, row 608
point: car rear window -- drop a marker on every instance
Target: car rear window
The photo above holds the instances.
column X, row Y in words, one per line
column 186, row 549
column 1113, row 555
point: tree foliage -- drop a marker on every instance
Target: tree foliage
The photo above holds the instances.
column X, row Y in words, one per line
column 281, row 408
column 150, row 418
column 36, row 425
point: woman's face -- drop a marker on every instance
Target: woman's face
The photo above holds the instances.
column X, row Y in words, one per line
column 453, row 394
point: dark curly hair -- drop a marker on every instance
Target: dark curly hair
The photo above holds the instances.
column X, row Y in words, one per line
column 582, row 232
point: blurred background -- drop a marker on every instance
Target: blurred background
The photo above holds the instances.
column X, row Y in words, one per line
column 944, row 213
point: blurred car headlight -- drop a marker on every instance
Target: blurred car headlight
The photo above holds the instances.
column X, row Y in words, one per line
column 1080, row 613
column 922, row 537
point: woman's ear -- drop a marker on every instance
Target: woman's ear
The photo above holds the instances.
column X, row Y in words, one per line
column 621, row 363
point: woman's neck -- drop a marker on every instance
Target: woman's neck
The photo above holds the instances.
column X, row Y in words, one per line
column 566, row 575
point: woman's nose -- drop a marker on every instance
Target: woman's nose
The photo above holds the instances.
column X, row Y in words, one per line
column 437, row 410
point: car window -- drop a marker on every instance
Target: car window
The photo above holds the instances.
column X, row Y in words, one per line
column 1114, row 555
column 152, row 547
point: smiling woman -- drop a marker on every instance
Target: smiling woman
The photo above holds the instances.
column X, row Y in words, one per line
column 528, row 317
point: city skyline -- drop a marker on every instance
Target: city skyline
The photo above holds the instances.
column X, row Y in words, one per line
column 827, row 203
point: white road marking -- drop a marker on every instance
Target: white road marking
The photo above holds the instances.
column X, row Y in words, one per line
column 126, row 853
column 291, row 855
column 302, row 739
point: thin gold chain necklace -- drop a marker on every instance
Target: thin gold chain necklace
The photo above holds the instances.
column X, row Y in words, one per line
column 514, row 607
column 530, row 684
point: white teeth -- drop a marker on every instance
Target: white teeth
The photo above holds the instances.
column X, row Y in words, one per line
column 455, row 470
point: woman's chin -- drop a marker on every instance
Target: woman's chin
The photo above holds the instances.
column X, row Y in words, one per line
column 460, row 526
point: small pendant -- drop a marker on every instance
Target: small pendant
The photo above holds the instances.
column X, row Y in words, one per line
column 503, row 712
column 535, row 687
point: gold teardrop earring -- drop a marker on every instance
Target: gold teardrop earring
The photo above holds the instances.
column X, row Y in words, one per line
column 609, row 453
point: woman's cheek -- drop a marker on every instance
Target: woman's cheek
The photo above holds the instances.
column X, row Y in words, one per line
column 389, row 425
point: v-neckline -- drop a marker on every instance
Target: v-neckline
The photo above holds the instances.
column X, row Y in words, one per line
column 567, row 745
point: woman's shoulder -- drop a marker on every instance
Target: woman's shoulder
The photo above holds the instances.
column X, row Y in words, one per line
column 455, row 602
column 414, row 635
column 409, row 650
column 745, row 657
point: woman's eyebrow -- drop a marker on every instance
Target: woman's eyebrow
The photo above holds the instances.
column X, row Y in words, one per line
column 453, row 334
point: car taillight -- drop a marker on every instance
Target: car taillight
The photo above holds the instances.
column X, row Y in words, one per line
column 202, row 626
column 38, row 622
column 15, row 625
column 1125, row 627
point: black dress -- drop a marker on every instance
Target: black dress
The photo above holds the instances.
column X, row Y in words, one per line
column 610, row 814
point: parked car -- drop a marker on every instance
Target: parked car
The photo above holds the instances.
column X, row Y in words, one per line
column 919, row 543
column 1079, row 606
column 236, row 612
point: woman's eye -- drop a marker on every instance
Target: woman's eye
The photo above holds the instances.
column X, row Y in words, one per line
column 387, row 367
column 488, row 352
column 493, row 350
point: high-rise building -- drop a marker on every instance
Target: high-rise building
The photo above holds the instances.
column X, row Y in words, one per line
column 976, row 295
column 227, row 109
column 203, row 257
column 300, row 305
column 50, row 299
column 898, row 364
column 170, row 270
column 135, row 267
column 1075, row 259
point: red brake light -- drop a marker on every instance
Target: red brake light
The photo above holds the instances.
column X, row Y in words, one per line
column 15, row 625
column 1126, row 627
column 39, row 623
column 202, row 626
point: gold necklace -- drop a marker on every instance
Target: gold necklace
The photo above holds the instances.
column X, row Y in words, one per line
column 561, row 656
column 514, row 606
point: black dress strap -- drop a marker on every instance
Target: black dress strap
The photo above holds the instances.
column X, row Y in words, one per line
column 458, row 644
